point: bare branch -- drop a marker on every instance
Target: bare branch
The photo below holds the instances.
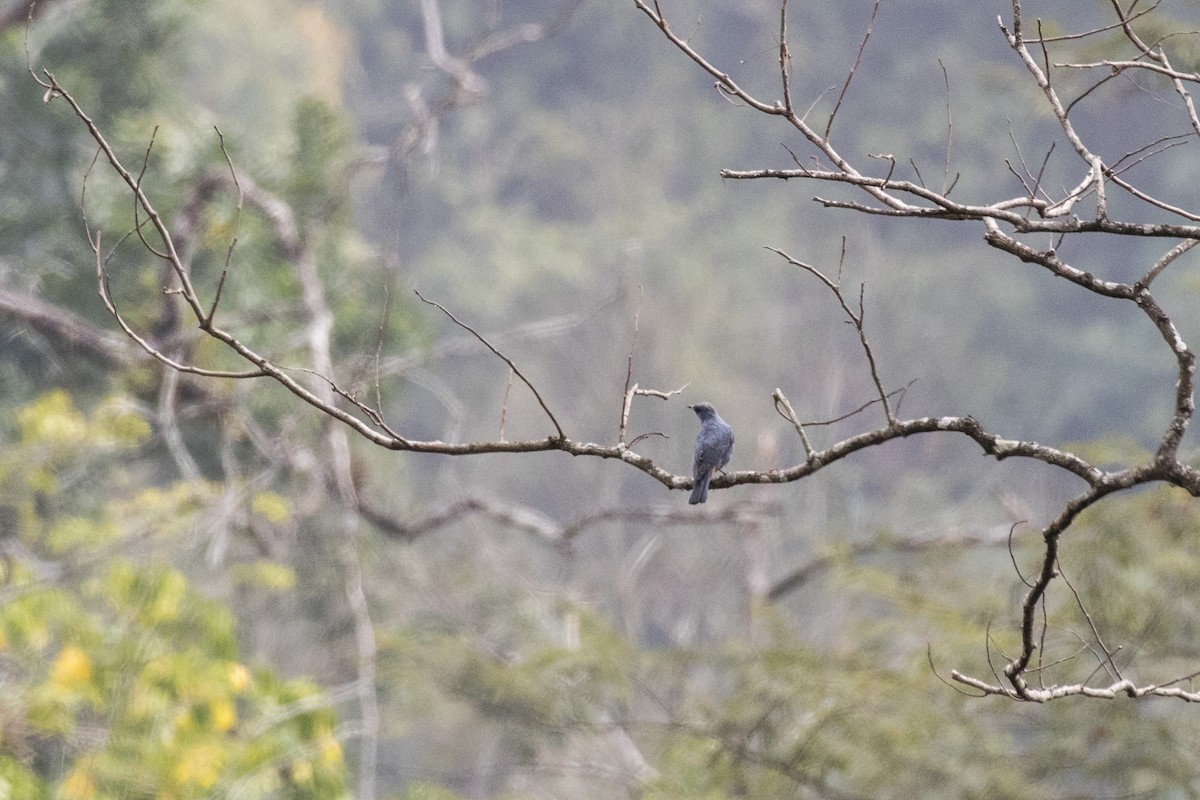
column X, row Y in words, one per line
column 106, row 297
column 801, row 575
column 1117, row 689
column 550, row 531
column 67, row 329
column 947, row 184
column 628, row 393
column 1005, row 224
column 237, row 226
column 785, row 57
column 855, row 319
column 502, row 357
column 784, row 408
column 1106, row 663
column 850, row 75
column 1166, row 261
column 458, row 70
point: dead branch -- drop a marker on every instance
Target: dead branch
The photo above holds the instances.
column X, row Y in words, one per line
column 801, row 575
column 67, row 330
column 499, row 355
column 855, row 319
column 1004, row 221
column 549, row 530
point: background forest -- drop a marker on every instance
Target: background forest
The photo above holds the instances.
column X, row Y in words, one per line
column 195, row 602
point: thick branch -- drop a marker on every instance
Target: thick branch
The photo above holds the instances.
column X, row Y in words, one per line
column 67, row 329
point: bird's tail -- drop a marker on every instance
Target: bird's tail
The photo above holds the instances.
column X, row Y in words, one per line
column 700, row 490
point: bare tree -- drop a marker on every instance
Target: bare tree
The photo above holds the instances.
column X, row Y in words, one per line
column 1007, row 221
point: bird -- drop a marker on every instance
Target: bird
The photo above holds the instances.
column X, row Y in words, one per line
column 714, row 446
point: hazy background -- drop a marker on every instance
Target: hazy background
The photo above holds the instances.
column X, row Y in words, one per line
column 577, row 191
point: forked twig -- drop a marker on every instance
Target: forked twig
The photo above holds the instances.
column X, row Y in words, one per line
column 499, row 355
column 237, row 227
column 856, row 319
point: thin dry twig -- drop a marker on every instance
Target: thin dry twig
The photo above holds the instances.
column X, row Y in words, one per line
column 862, row 46
column 783, row 407
column 499, row 355
column 627, row 394
column 843, row 417
column 947, row 184
column 1107, row 662
column 1005, row 220
column 504, row 404
column 237, row 226
column 856, row 319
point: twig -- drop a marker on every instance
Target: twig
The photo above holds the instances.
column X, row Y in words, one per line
column 783, row 407
column 237, row 227
column 504, row 405
column 895, row 392
column 938, row 675
column 1107, row 662
column 947, row 184
column 1166, row 261
column 785, row 57
column 501, row 356
column 383, row 322
column 1013, row 556
column 862, row 46
column 627, row 394
column 856, row 319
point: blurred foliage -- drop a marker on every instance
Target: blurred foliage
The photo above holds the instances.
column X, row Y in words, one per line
column 119, row 679
column 127, row 684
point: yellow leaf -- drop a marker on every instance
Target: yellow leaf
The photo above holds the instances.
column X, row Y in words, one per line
column 72, row 669
column 302, row 771
column 272, row 506
column 73, row 533
column 331, row 751
column 164, row 606
column 52, row 418
column 266, row 574
column 79, row 785
column 120, row 423
column 199, row 766
column 223, row 715
column 239, row 677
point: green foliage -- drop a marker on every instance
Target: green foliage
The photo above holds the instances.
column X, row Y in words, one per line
column 315, row 186
column 119, row 678
column 117, row 56
column 138, row 655
column 427, row 791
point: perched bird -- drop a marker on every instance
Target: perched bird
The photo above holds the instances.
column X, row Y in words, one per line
column 714, row 446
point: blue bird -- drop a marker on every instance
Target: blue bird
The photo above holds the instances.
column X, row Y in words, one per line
column 714, row 447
